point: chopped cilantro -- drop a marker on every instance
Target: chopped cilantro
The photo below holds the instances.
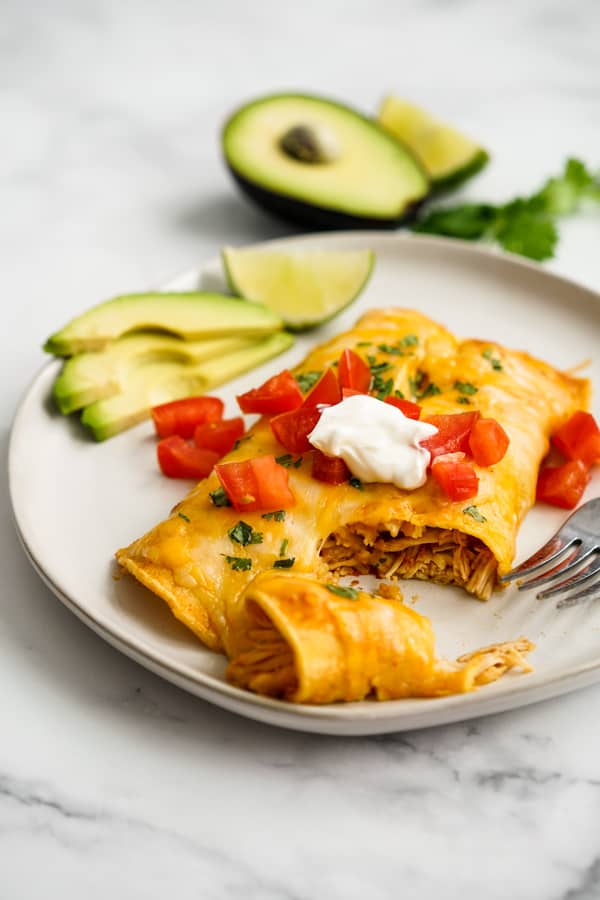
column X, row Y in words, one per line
column 415, row 383
column 244, row 534
column 184, row 517
column 382, row 388
column 284, row 546
column 419, row 389
column 347, row 592
column 284, row 563
column 466, row 388
column 474, row 513
column 430, row 391
column 278, row 515
column 238, row 563
column 378, row 368
column 288, row 460
column 398, row 394
column 364, row 344
column 463, row 400
column 388, row 348
column 488, row 354
column 409, row 340
column 356, row 483
column 307, row 380
column 219, row 497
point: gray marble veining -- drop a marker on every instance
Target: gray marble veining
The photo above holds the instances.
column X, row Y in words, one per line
column 113, row 783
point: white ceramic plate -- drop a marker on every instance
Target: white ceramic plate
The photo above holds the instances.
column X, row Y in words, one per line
column 81, row 500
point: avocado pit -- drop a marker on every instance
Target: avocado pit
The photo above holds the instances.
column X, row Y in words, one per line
column 310, row 144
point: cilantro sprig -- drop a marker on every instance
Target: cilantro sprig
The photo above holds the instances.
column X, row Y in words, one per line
column 525, row 225
column 219, row 497
column 278, row 515
column 307, row 380
column 347, row 592
column 421, row 387
column 238, row 563
column 466, row 388
column 494, row 362
column 287, row 460
column 244, row 534
column 474, row 513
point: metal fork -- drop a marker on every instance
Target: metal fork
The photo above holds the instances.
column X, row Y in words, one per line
column 574, row 549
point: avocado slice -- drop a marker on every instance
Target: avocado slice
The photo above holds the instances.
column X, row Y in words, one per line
column 89, row 377
column 191, row 316
column 322, row 164
column 159, row 382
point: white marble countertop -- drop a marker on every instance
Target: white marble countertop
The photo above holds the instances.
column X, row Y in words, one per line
column 112, row 782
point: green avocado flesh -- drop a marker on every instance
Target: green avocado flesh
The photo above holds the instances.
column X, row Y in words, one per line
column 192, row 316
column 89, row 377
column 153, row 383
column 366, row 174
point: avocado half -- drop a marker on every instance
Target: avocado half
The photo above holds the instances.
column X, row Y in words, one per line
column 321, row 164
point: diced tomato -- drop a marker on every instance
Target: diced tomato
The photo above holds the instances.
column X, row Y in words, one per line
column 256, row 484
column 219, row 436
column 411, row 410
column 272, row 480
column 331, row 469
column 453, row 433
column 179, row 459
column 456, row 477
column 563, row 485
column 579, row 438
column 488, row 442
column 277, row 395
column 292, row 428
column 350, row 392
column 326, row 391
column 182, row 416
column 353, row 372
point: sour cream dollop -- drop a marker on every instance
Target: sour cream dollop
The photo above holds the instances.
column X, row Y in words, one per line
column 376, row 441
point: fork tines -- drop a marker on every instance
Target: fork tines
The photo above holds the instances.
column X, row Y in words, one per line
column 574, row 551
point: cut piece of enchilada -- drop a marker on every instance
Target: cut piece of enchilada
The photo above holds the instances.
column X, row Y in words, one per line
column 312, row 643
column 336, row 530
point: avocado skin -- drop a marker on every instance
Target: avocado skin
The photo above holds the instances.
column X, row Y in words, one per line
column 317, row 218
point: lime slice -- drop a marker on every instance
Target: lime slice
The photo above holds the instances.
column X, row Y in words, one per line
column 448, row 156
column 304, row 288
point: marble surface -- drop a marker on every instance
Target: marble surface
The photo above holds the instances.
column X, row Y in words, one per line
column 113, row 783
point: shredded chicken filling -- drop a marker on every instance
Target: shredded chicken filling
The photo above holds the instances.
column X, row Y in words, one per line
column 268, row 666
column 402, row 550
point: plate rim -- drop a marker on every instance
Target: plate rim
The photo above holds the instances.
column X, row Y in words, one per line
column 332, row 719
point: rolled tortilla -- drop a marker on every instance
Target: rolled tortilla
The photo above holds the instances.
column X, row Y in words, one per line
column 301, row 641
column 339, row 530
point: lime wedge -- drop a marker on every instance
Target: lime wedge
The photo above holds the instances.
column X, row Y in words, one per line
column 304, row 288
column 448, row 156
